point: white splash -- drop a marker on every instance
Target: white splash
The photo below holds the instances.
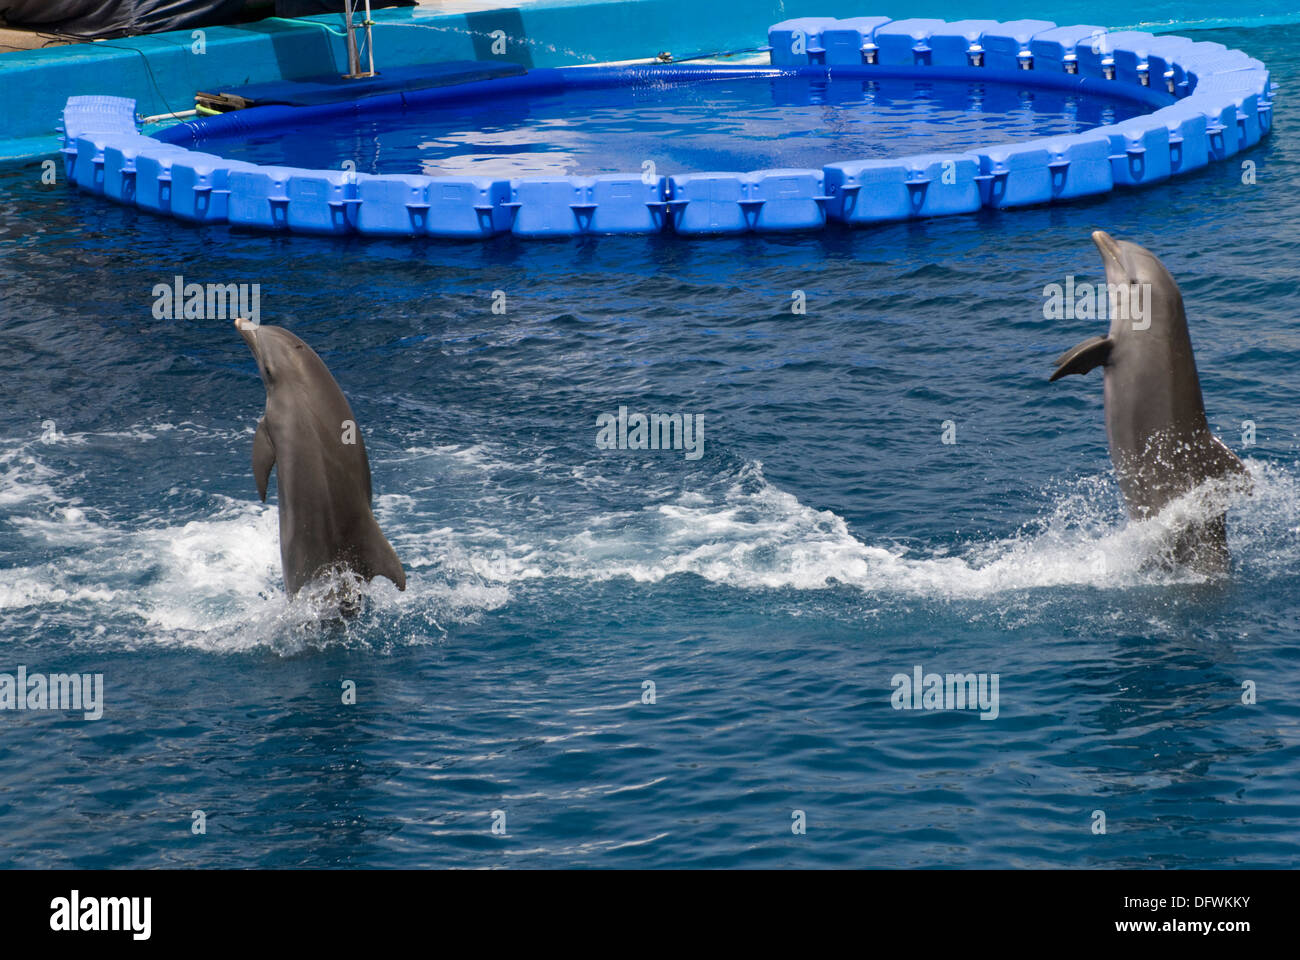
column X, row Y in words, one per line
column 213, row 582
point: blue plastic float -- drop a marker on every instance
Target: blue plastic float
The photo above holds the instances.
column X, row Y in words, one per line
column 1208, row 103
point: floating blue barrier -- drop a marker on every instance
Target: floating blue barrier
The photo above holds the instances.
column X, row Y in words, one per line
column 1057, row 50
column 124, row 158
column 86, row 161
column 1221, row 128
column 798, row 41
column 100, row 115
column 399, row 205
column 707, row 203
column 777, row 200
column 1239, row 118
column 552, row 206
column 467, row 208
column 1139, row 151
column 1264, row 107
column 1113, row 56
column 1131, row 56
column 1205, row 59
column 1079, row 165
column 319, row 201
column 153, row 178
column 851, row 41
column 119, row 166
column 906, row 43
column 391, row 205
column 1211, row 103
column 763, row 201
column 1246, row 79
column 1006, row 45
column 1015, row 175
column 1189, row 138
column 200, row 186
column 119, row 171
column 1042, row 171
column 104, row 114
column 1208, row 49
column 958, row 44
column 259, row 197
column 1228, row 74
column 88, row 168
column 872, row 191
column 1164, row 70
column 627, row 203
column 1248, row 121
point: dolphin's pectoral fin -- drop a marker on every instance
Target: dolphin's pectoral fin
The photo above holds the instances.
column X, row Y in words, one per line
column 379, row 559
column 1093, row 352
column 1219, row 461
column 263, row 457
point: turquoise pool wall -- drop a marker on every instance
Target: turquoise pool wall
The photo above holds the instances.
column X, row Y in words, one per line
column 162, row 71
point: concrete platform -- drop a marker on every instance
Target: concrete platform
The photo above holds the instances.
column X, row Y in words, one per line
column 12, row 40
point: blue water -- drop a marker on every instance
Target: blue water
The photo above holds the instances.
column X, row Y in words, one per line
column 720, row 124
column 824, row 542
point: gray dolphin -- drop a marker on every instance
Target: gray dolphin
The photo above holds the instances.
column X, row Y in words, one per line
column 323, row 482
column 1160, row 443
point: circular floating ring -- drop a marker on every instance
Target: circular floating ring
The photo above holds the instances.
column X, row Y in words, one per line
column 1208, row 103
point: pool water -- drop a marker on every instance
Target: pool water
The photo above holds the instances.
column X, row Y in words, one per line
column 723, row 124
column 826, row 540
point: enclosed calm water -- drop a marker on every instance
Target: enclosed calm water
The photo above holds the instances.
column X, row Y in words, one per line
column 722, row 124
column 826, row 540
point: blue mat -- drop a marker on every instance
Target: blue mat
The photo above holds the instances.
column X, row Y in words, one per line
column 336, row 89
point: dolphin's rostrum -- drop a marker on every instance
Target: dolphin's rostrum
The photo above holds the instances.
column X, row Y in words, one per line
column 1160, row 443
column 323, row 476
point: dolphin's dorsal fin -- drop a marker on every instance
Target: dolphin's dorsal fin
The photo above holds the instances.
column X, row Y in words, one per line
column 263, row 457
column 1093, row 352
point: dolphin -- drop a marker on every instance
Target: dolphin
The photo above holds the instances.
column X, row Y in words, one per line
column 1160, row 443
column 323, row 482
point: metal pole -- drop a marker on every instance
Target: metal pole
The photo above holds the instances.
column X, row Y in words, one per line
column 354, row 61
column 370, row 42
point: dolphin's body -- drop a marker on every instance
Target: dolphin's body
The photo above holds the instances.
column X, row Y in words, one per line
column 323, row 480
column 1160, row 443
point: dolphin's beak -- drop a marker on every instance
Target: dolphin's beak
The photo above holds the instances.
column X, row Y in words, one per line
column 1108, row 246
column 246, row 329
